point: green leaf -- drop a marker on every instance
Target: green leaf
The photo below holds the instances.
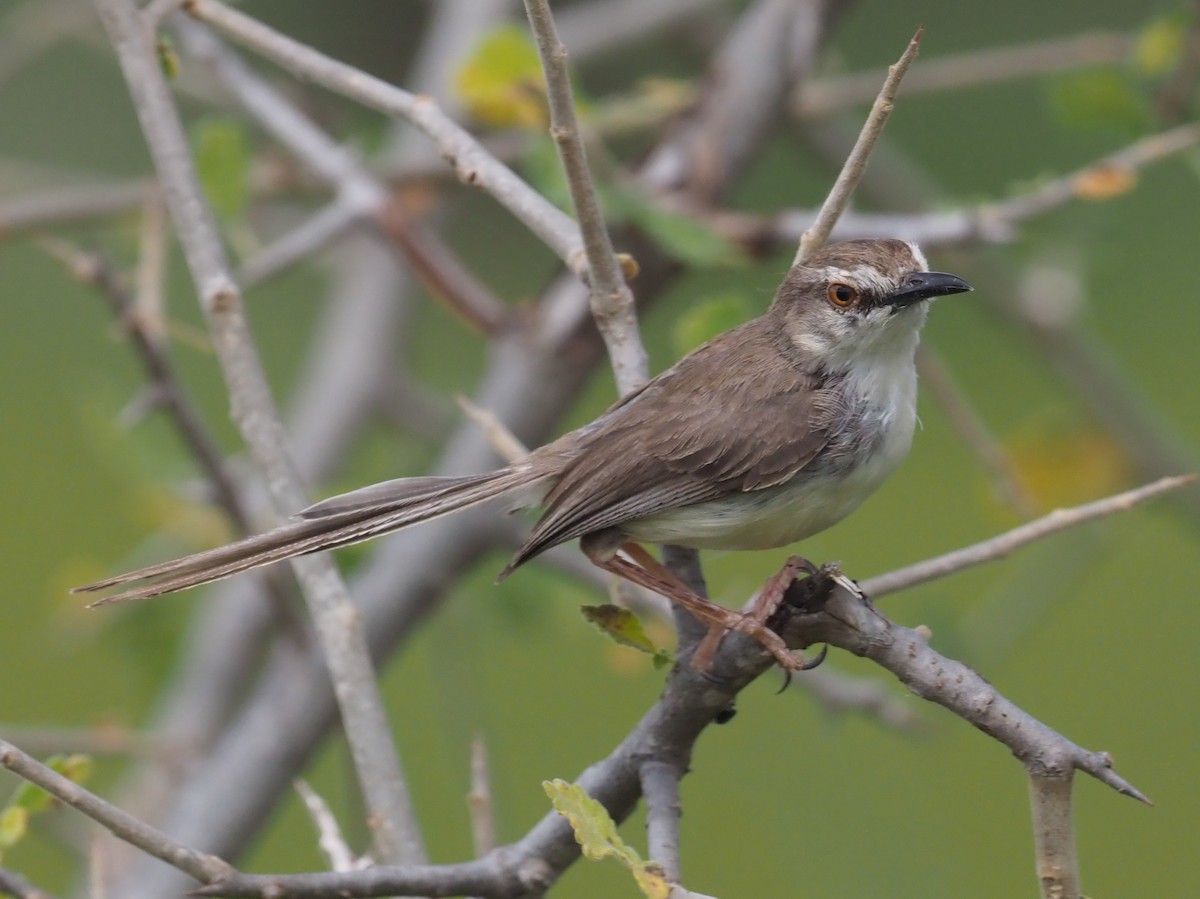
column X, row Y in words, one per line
column 1159, row 44
column 14, row 823
column 168, row 59
column 33, row 799
column 76, row 767
column 543, row 170
column 685, row 238
column 623, row 627
column 709, row 317
column 1100, row 98
column 501, row 83
column 598, row 838
column 223, row 163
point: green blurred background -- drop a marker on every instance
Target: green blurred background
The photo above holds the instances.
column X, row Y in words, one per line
column 1090, row 631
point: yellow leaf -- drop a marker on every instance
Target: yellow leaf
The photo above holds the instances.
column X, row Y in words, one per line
column 598, row 838
column 1159, row 45
column 14, row 821
column 1063, row 467
column 1103, row 182
column 501, row 83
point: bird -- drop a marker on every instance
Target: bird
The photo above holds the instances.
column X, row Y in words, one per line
column 762, row 437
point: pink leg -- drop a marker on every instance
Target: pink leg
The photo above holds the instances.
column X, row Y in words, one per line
column 648, row 572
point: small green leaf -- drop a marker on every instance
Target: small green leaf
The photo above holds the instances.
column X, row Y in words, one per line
column 685, row 238
column 501, row 83
column 223, row 163
column 709, row 317
column 544, row 171
column 598, row 838
column 168, row 59
column 625, row 628
column 14, row 822
column 1159, row 44
column 76, row 767
column 1100, row 98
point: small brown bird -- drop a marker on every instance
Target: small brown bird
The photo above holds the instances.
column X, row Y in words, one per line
column 763, row 436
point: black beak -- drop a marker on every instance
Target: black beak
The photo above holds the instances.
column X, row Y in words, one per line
column 923, row 285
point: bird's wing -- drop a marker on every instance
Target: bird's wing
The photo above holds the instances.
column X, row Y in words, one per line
column 737, row 415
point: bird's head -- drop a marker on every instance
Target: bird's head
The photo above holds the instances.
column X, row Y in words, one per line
column 859, row 298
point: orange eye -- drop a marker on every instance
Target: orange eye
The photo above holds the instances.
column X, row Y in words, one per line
column 842, row 295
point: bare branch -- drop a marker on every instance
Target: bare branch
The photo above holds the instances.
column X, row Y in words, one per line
column 338, row 621
column 610, row 298
column 13, row 884
column 358, row 191
column 660, row 787
column 1002, row 545
column 64, row 205
column 93, row 270
column 479, row 800
column 205, row 868
column 973, row 431
column 473, row 163
column 852, row 623
column 504, row 441
column 1054, row 835
column 856, row 163
column 957, row 71
column 329, row 834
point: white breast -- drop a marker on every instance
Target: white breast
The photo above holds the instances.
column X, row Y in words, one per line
column 823, row 493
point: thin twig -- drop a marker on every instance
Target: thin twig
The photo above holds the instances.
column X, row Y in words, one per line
column 338, row 622
column 856, row 163
column 1004, row 544
column 94, row 270
column 329, row 833
column 100, row 740
column 966, row 421
column 57, row 206
column 847, row 620
column 503, row 440
column 357, row 190
column 609, row 296
column 659, row 780
column 473, row 163
column 205, row 868
column 479, row 801
column 13, row 884
column 957, row 71
column 1054, row 835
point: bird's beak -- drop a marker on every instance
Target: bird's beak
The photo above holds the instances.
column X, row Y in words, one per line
column 923, row 285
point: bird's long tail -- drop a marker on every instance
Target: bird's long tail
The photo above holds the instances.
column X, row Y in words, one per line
column 338, row 521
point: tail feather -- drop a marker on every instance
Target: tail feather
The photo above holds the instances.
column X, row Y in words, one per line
column 338, row 521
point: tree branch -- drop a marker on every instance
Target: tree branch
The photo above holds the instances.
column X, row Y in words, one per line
column 338, row 622
column 473, row 163
column 1004, row 544
column 609, row 296
column 1054, row 835
column 203, row 867
column 856, row 163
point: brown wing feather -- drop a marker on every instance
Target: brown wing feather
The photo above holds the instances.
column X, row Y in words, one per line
column 671, row 444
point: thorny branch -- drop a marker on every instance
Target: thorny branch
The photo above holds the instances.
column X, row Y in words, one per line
column 536, row 861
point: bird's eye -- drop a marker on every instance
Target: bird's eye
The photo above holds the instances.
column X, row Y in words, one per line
column 842, row 295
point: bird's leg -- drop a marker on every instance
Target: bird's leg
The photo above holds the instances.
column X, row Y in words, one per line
column 765, row 603
column 645, row 570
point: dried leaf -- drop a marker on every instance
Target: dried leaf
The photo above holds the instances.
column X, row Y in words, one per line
column 1103, row 182
column 625, row 628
